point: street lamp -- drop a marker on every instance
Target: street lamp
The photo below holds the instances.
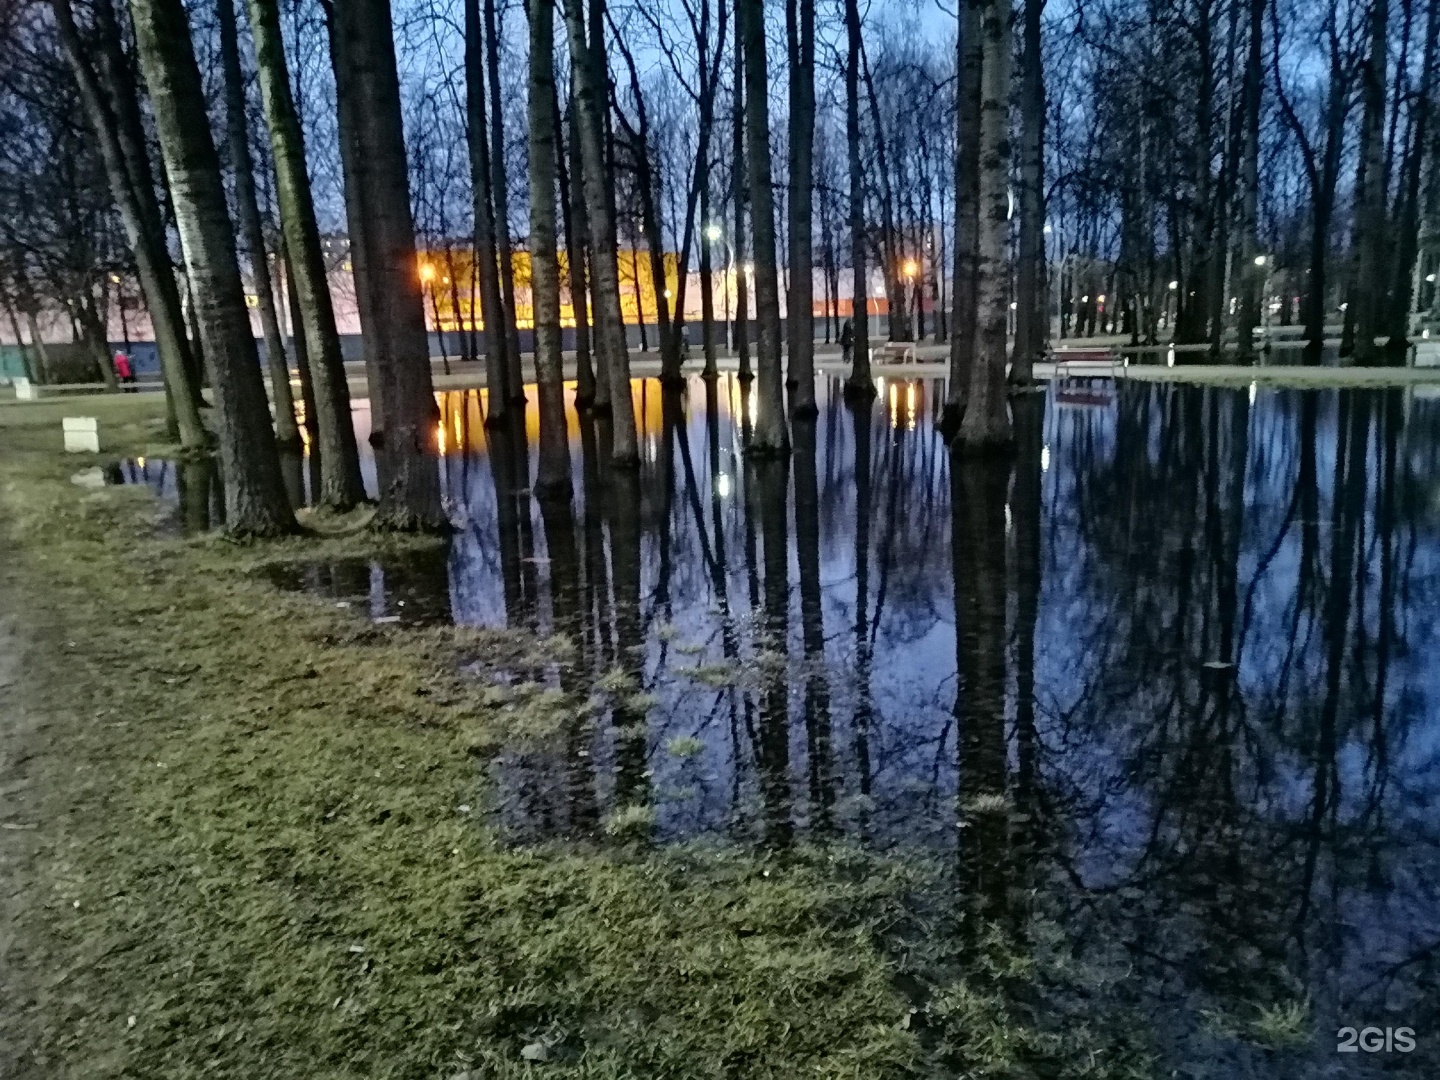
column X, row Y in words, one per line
column 714, row 233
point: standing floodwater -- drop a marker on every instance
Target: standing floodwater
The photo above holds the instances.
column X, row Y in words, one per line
column 1168, row 679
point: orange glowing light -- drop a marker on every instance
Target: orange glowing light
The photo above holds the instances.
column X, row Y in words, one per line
column 911, row 268
column 427, row 272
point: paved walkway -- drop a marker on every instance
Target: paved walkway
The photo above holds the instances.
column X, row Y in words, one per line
column 932, row 362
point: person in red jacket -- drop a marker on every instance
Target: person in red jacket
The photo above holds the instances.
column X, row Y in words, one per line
column 124, row 372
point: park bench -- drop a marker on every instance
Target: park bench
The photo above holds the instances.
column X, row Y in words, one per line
column 1076, row 372
column 902, row 352
column 1094, row 363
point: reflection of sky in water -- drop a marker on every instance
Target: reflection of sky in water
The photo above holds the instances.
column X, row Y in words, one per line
column 1236, row 692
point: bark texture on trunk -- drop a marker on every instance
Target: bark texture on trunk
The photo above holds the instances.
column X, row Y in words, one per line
column 492, row 303
column 590, row 81
column 113, row 111
column 987, row 415
column 553, row 479
column 1032, row 307
column 1251, row 276
column 1367, row 294
column 770, row 436
column 1405, row 272
column 573, row 205
column 860, row 383
column 256, row 503
column 237, row 130
column 387, row 280
column 500, row 193
column 800, row 321
column 738, row 181
column 967, row 206
column 313, row 314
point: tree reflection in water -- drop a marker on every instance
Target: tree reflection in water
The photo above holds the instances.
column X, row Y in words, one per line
column 1166, row 681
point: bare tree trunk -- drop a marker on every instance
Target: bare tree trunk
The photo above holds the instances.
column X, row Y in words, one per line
column 492, row 303
column 256, row 503
column 1192, row 319
column 300, row 347
column 383, row 256
column 553, row 479
column 860, row 385
column 896, row 319
column 738, row 190
column 1407, row 247
column 987, row 416
column 341, row 487
column 770, row 436
column 707, row 281
column 573, row 205
column 113, row 113
column 963, row 330
column 1032, row 314
column 638, row 136
column 800, row 25
column 588, row 61
column 237, row 129
column 500, row 192
column 1368, row 288
column 1251, row 275
column 92, row 334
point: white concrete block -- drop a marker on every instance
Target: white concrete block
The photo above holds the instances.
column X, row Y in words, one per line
column 82, row 434
column 24, row 390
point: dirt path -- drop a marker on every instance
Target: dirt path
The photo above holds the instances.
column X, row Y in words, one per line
column 19, row 814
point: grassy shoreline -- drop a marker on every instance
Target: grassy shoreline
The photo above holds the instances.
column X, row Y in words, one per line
column 251, row 861
column 255, row 853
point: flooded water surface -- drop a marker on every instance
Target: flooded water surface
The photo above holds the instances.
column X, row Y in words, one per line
column 1168, row 680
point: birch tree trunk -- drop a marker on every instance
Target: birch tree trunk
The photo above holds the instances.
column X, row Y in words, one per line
column 237, row 130
column 770, row 436
column 341, row 487
column 553, row 479
column 255, row 500
column 590, row 81
column 492, row 303
column 1032, row 308
column 387, row 281
column 1407, row 248
column 800, row 317
column 986, row 425
column 861, row 385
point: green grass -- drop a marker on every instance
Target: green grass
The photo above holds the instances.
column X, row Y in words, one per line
column 255, row 862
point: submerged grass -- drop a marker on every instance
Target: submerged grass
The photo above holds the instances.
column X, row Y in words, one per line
column 258, row 857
